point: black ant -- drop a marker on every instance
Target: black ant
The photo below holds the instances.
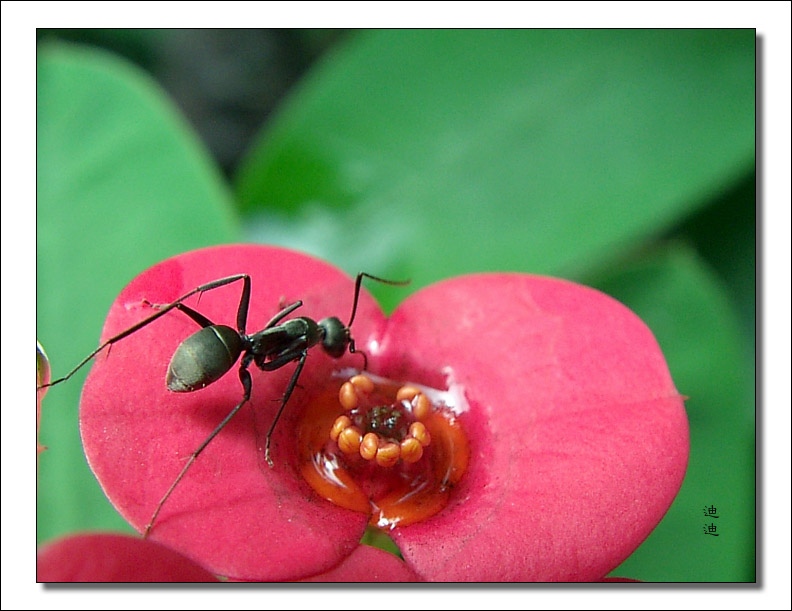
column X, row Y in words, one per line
column 207, row 355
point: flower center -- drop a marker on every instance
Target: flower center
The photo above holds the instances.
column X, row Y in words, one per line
column 386, row 433
column 385, row 449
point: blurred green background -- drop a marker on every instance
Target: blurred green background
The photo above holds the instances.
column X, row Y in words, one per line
column 622, row 159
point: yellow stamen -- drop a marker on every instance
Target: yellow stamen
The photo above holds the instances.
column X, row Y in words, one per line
column 406, row 393
column 411, row 450
column 347, row 396
column 339, row 425
column 349, row 440
column 421, row 406
column 369, row 446
column 362, row 383
column 419, row 432
column 388, row 454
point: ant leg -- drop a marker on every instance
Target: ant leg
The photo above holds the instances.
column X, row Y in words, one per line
column 244, row 306
column 282, row 314
column 161, row 312
column 199, row 318
column 241, row 312
column 353, row 350
column 244, row 376
column 286, row 396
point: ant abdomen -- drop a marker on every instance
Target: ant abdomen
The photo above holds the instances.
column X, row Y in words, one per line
column 203, row 358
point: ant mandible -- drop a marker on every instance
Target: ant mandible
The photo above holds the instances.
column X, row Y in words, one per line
column 208, row 354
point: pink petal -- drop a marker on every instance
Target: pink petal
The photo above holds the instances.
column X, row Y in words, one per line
column 579, row 439
column 116, row 559
column 231, row 512
column 368, row 564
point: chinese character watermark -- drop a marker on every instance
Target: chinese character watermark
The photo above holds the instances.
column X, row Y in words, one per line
column 711, row 511
column 711, row 528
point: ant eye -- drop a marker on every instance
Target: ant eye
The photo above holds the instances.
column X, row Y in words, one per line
column 336, row 336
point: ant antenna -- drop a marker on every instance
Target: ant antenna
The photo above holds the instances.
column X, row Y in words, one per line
column 359, row 281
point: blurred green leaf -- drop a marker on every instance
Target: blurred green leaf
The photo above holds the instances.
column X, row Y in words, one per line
column 122, row 183
column 432, row 153
column 724, row 235
column 697, row 327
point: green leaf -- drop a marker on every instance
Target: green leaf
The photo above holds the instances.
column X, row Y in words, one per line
column 724, row 235
column 122, row 183
column 697, row 327
column 432, row 153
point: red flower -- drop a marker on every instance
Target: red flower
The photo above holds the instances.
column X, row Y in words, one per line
column 113, row 558
column 367, row 564
column 567, row 448
column 117, row 558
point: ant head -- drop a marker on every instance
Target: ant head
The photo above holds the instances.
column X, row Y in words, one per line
column 336, row 337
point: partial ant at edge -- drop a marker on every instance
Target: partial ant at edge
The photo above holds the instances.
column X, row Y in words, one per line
column 209, row 353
